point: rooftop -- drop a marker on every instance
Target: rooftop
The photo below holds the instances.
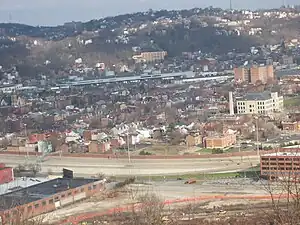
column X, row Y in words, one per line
column 40, row 191
column 19, row 183
column 257, row 96
column 293, row 154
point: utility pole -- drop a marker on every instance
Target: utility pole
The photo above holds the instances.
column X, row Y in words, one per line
column 25, row 126
column 128, row 152
column 257, row 146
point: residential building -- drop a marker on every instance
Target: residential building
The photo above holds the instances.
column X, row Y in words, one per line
column 220, row 141
column 99, row 147
column 193, row 139
column 260, row 103
column 254, row 74
column 280, row 165
column 291, row 126
column 242, row 74
column 10, row 88
column 150, row 56
column 287, row 60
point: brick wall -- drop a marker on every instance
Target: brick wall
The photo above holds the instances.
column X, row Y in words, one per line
column 52, row 203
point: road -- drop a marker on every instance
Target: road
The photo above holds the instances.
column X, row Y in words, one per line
column 92, row 166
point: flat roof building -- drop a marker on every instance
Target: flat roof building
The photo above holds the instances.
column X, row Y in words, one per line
column 260, row 103
column 255, row 73
column 280, row 165
column 45, row 197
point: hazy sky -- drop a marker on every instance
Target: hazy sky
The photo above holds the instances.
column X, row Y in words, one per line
column 54, row 12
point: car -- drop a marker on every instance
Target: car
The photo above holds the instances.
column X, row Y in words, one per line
column 190, row 181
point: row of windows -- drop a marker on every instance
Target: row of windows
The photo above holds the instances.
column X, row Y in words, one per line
column 280, row 168
column 44, row 203
column 280, row 162
column 281, row 159
column 50, row 201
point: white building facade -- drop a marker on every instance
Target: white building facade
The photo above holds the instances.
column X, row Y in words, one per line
column 260, row 103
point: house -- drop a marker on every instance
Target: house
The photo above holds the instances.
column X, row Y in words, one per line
column 99, row 147
column 291, row 126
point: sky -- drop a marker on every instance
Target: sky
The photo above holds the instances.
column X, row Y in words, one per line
column 56, row 12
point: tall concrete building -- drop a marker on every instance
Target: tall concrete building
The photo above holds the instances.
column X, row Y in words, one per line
column 260, row 103
column 254, row 74
column 242, row 74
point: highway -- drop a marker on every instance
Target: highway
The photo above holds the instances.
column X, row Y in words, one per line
column 92, row 166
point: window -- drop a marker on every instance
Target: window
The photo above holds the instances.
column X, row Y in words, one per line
column 70, row 193
column 43, row 203
column 63, row 196
column 94, row 186
column 56, row 198
column 36, row 206
column 89, row 188
column 82, row 189
column 51, row 201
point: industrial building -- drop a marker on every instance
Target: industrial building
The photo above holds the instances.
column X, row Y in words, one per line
column 260, row 103
column 45, row 197
column 280, row 165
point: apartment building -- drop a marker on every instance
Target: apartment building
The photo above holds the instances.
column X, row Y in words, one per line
column 150, row 56
column 193, row 139
column 220, row 141
column 260, row 103
column 254, row 74
column 242, row 74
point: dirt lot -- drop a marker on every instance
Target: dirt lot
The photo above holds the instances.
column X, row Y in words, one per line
column 169, row 190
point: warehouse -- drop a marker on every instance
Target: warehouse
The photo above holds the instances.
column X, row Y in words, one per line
column 280, row 165
column 45, row 197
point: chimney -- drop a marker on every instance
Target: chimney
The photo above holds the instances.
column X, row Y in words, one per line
column 231, row 110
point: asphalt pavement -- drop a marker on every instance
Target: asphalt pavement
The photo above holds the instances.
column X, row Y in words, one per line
column 92, row 166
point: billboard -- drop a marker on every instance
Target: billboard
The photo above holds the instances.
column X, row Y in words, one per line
column 67, row 173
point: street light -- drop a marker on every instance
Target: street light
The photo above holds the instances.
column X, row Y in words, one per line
column 128, row 152
column 25, row 126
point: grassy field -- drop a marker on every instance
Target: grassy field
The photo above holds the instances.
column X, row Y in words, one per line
column 293, row 101
column 250, row 173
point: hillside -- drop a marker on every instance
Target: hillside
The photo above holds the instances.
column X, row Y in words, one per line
column 112, row 39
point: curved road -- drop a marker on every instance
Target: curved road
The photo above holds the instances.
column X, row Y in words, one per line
column 92, row 166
